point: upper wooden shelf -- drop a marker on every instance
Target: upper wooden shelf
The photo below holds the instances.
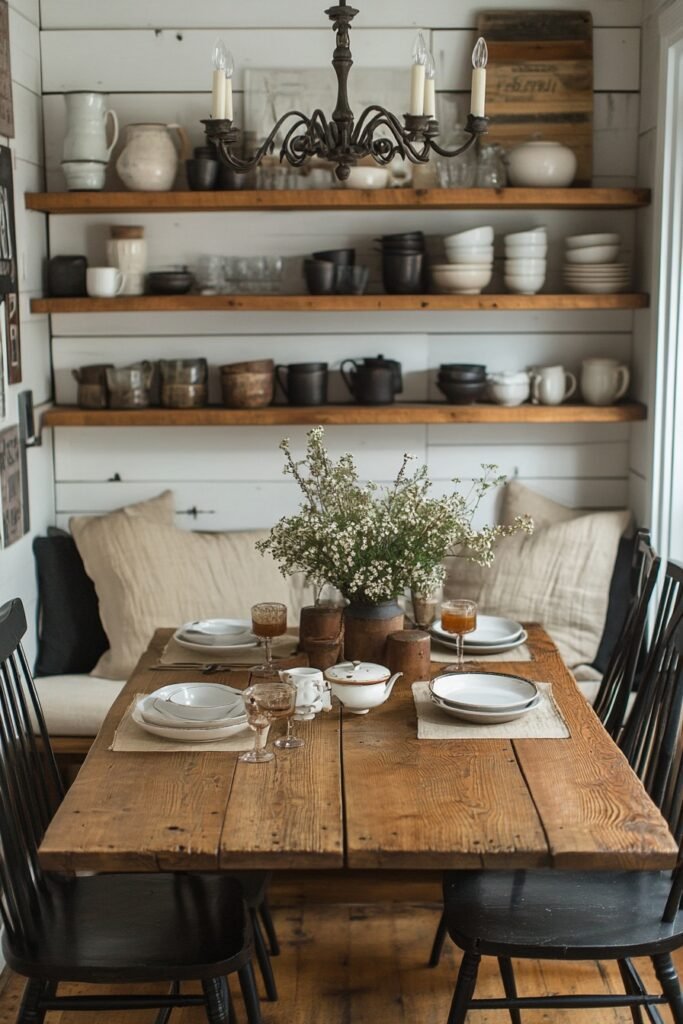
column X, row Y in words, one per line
column 339, row 199
column 334, row 303
column 287, row 415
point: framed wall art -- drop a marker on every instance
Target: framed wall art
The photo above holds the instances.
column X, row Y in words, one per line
column 6, row 108
column 11, row 487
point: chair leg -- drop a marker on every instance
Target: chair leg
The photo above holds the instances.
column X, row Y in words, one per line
column 668, row 979
column 630, row 989
column 217, row 1000
column 267, row 920
column 264, row 963
column 464, row 988
column 439, row 939
column 250, row 995
column 29, row 1011
column 510, row 986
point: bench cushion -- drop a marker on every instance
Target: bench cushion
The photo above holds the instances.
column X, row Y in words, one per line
column 76, row 705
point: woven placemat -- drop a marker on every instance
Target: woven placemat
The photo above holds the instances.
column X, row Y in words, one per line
column 545, row 722
column 133, row 739
column 175, row 654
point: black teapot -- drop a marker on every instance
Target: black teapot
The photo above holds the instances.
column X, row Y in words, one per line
column 373, row 381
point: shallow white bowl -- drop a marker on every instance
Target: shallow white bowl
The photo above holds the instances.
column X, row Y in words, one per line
column 473, row 254
column 519, row 268
column 530, row 236
column 593, row 254
column 453, row 276
column 368, row 177
column 474, row 236
column 583, row 241
column 524, row 250
column 527, row 284
column 509, row 392
column 201, row 702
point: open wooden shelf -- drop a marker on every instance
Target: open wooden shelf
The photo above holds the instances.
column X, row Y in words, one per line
column 287, row 415
column 333, row 303
column 339, row 199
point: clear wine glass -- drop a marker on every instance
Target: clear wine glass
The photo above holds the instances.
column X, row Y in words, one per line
column 459, row 617
column 266, row 703
column 268, row 620
column 425, row 608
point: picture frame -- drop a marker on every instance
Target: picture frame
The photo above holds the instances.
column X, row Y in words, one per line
column 8, row 236
column 6, row 105
column 11, row 487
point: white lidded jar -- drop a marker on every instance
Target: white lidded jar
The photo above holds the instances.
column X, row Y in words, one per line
column 541, row 164
column 127, row 250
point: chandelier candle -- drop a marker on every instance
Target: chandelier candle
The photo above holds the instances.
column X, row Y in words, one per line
column 480, row 58
column 219, row 59
column 417, row 77
column 430, row 87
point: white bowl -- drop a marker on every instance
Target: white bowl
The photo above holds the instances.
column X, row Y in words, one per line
column 84, row 175
column 593, row 254
column 201, row 702
column 368, row 177
column 541, row 164
column 474, row 236
column 509, row 389
column 474, row 254
column 523, row 250
column 583, row 241
column 526, row 284
column 459, row 280
column 519, row 268
column 532, row 236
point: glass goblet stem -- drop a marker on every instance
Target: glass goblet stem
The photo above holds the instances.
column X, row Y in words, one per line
column 261, row 737
column 268, row 644
column 460, row 647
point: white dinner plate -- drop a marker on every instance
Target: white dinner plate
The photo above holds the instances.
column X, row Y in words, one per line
column 491, row 629
column 202, row 735
column 482, row 649
column 483, row 691
column 487, row 717
column 216, row 633
column 217, row 649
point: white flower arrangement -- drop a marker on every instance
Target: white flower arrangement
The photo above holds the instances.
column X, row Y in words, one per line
column 372, row 542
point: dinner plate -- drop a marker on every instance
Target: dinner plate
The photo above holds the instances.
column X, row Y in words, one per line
column 201, row 735
column 481, row 649
column 217, row 633
column 217, row 649
column 487, row 717
column 491, row 629
column 483, row 691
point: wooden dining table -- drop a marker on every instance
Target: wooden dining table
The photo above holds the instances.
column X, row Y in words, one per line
column 364, row 793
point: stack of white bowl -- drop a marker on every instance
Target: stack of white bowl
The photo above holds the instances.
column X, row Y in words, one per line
column 591, row 264
column 526, row 254
column 470, row 263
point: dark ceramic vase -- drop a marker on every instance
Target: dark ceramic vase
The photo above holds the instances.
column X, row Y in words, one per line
column 366, row 628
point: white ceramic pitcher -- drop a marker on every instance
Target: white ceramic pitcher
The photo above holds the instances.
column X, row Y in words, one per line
column 86, row 127
column 149, row 160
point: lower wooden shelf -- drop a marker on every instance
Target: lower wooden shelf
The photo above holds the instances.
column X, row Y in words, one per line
column 284, row 415
column 334, row 303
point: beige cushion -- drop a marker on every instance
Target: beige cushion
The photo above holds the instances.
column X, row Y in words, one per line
column 160, row 509
column 148, row 574
column 76, row 705
column 559, row 576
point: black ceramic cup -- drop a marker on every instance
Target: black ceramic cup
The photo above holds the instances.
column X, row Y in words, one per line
column 402, row 272
column 303, row 383
column 320, row 277
column 201, row 174
column 342, row 257
column 66, row 276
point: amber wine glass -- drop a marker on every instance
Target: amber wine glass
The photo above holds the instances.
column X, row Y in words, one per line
column 268, row 620
column 459, row 617
column 266, row 703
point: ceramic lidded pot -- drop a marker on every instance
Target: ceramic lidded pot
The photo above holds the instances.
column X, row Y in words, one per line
column 542, row 164
column 149, row 160
column 360, row 685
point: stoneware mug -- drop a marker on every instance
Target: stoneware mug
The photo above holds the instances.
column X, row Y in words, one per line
column 104, row 282
column 310, row 689
column 603, row 381
column 551, row 385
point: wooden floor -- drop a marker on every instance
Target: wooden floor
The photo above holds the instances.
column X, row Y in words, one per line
column 365, row 964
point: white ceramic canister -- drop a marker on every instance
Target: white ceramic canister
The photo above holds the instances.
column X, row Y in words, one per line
column 149, row 160
column 86, row 127
column 127, row 250
column 542, row 164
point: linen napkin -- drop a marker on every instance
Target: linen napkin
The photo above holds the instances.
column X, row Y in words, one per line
column 543, row 723
column 131, row 738
column 175, row 654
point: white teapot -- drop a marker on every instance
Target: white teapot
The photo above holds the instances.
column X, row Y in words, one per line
column 361, row 685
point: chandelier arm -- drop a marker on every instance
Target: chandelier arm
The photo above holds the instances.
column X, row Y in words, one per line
column 359, row 127
column 296, row 149
column 244, row 164
column 454, row 152
column 403, row 144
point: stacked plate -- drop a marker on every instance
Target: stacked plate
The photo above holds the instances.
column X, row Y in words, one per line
column 493, row 635
column 192, row 712
column 486, row 698
column 219, row 636
column 591, row 265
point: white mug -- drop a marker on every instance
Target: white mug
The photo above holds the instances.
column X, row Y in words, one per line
column 103, row 282
column 551, row 385
column 311, row 687
column 603, row 381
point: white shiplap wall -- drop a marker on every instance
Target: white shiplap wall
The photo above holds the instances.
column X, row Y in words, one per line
column 17, row 576
column 152, row 60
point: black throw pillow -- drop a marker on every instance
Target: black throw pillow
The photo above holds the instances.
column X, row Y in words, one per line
column 70, row 634
column 620, row 595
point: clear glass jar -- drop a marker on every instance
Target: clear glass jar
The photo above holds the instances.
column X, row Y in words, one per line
column 491, row 169
column 456, row 171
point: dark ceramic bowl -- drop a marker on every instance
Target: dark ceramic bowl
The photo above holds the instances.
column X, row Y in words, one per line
column 466, row 375
column 402, row 236
column 351, row 280
column 462, row 368
column 320, row 277
column 202, row 174
column 342, row 257
column 462, row 394
column 230, row 181
column 169, row 282
column 402, row 272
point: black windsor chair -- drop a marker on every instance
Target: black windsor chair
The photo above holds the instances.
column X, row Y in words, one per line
column 592, row 915
column 100, row 929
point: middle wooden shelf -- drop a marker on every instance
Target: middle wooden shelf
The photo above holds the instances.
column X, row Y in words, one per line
column 285, row 415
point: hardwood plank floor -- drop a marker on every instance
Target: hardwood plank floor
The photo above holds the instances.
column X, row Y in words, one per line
column 365, row 964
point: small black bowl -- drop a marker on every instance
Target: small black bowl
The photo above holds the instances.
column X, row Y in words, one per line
column 462, row 394
column 462, row 368
column 169, row 282
column 402, row 236
column 202, row 174
column 463, row 375
column 321, row 277
column 342, row 257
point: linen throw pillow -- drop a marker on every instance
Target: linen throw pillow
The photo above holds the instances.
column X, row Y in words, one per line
column 559, row 576
column 148, row 575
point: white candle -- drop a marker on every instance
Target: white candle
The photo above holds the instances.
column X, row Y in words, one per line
column 430, row 87
column 229, row 69
column 218, row 59
column 417, row 77
column 480, row 58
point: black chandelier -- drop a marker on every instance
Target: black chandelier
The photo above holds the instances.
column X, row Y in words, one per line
column 344, row 140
